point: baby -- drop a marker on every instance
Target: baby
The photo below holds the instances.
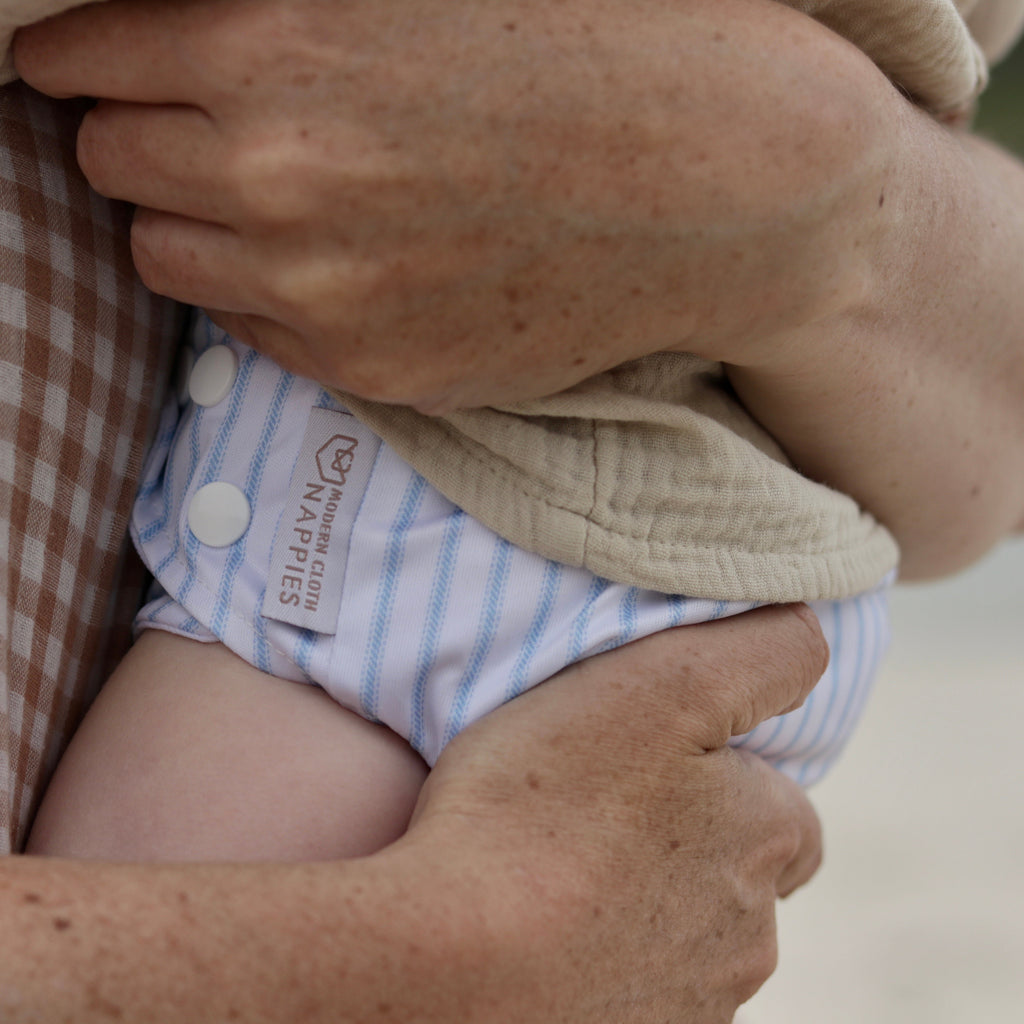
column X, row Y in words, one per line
column 297, row 544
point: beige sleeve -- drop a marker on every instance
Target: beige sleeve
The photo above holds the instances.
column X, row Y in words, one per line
column 924, row 46
column 996, row 25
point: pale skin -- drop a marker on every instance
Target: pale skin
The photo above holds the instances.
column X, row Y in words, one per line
column 189, row 753
column 391, row 293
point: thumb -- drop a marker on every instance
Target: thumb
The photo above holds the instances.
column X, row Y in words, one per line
column 725, row 677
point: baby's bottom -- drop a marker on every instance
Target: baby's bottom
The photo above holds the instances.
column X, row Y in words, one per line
column 190, row 753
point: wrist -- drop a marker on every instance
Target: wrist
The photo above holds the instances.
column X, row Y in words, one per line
column 500, row 918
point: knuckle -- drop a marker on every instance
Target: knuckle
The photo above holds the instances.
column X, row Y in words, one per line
column 310, row 290
column 764, row 958
column 360, row 325
column 783, row 848
column 796, row 650
column 757, row 953
column 809, row 864
column 157, row 262
column 814, row 651
column 90, row 149
column 146, row 251
column 267, row 181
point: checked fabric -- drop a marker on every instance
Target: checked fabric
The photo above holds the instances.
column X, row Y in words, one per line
column 82, row 348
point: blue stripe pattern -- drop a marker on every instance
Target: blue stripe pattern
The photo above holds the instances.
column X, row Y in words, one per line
column 429, row 640
column 260, row 656
column 578, row 629
column 369, row 690
column 519, row 679
column 437, row 608
column 495, row 592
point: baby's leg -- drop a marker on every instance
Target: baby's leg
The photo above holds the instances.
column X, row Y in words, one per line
column 189, row 753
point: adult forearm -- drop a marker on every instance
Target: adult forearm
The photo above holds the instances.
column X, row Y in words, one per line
column 92, row 943
column 415, row 934
column 910, row 400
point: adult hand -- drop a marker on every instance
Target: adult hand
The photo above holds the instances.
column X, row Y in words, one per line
column 641, row 857
column 448, row 203
column 590, row 852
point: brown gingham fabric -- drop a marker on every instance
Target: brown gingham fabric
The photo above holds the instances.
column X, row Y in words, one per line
column 83, row 353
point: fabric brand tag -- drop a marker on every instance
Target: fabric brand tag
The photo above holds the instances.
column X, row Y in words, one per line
column 310, row 552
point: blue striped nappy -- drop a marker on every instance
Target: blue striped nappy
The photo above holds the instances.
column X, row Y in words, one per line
column 320, row 556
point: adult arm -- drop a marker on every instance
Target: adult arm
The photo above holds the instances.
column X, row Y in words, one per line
column 910, row 399
column 445, row 203
column 591, row 851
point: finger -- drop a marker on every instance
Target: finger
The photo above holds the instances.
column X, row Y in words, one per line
column 721, row 679
column 803, row 867
column 793, row 838
column 160, row 157
column 650, row 704
column 776, row 656
column 247, row 293
column 121, row 49
column 195, row 262
column 805, row 861
column 287, row 347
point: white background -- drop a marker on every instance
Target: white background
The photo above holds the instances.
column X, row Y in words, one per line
column 918, row 913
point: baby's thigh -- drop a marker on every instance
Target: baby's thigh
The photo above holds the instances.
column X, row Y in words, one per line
column 189, row 753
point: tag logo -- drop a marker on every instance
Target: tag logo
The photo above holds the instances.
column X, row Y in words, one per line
column 310, row 549
column 334, row 459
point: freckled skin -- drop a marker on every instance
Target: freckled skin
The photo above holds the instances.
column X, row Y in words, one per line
column 407, row 203
column 472, row 171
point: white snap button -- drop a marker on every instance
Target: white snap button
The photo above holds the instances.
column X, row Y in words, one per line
column 213, row 375
column 218, row 514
